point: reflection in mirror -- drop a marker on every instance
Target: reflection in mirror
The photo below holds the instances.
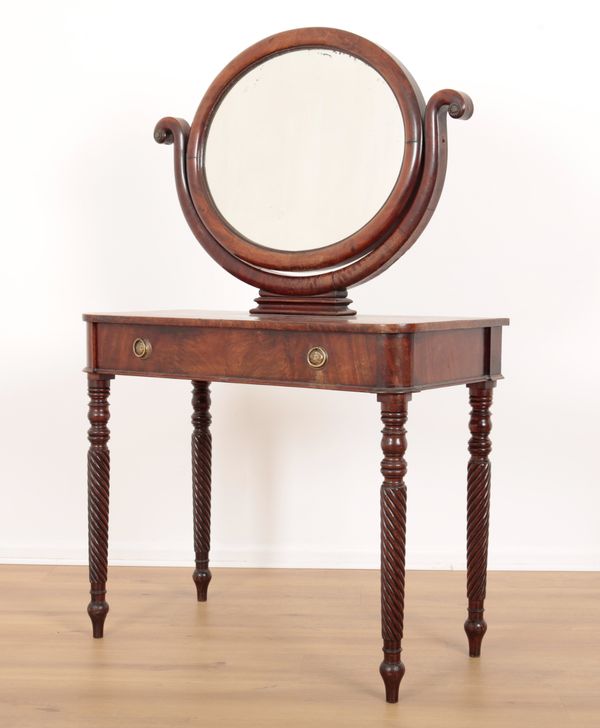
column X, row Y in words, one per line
column 304, row 149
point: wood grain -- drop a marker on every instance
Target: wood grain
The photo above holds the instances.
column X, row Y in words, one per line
column 214, row 355
column 298, row 647
column 239, row 320
column 373, row 355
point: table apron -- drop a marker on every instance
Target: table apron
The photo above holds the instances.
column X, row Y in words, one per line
column 358, row 361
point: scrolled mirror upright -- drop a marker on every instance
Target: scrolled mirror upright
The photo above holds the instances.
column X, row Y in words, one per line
column 312, row 164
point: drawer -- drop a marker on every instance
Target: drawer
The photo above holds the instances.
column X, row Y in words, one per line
column 338, row 360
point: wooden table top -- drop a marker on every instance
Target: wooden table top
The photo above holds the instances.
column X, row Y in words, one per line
column 235, row 319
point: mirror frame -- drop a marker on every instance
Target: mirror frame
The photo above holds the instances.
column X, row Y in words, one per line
column 322, row 291
column 411, row 105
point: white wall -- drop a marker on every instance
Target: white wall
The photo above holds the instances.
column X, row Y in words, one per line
column 90, row 221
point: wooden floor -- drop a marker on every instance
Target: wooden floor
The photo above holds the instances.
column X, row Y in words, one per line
column 291, row 648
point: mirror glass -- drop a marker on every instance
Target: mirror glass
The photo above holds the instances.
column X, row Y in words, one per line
column 304, row 149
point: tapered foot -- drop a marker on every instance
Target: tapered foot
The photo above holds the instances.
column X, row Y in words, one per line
column 475, row 628
column 202, row 579
column 392, row 674
column 98, row 609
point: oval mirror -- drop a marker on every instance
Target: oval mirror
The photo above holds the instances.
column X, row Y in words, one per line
column 304, row 149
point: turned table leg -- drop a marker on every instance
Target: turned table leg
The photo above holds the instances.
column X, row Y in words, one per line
column 98, row 490
column 201, row 482
column 393, row 538
column 478, row 510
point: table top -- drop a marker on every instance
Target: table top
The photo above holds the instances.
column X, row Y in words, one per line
column 234, row 319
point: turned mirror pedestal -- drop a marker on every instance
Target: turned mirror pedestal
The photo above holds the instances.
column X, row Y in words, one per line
column 311, row 165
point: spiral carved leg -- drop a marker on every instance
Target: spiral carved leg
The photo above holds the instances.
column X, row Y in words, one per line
column 393, row 538
column 201, row 481
column 98, row 491
column 478, row 510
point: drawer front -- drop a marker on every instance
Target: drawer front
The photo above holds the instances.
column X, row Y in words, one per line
column 227, row 354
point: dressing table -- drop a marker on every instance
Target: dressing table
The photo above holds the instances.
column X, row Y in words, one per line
column 312, row 164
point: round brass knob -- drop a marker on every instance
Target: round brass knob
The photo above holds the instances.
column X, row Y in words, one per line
column 316, row 357
column 142, row 348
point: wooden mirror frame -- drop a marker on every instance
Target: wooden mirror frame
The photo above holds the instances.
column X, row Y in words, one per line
column 409, row 100
column 350, row 261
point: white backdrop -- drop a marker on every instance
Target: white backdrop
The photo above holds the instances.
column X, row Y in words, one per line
column 90, row 221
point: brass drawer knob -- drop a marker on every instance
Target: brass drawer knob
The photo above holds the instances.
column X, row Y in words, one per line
column 142, row 348
column 316, row 357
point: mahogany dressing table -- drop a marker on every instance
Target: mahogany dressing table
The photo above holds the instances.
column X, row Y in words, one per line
column 279, row 219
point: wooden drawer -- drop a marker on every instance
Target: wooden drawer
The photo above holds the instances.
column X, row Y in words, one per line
column 354, row 361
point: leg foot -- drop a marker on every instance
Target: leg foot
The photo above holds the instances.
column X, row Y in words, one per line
column 201, row 484
column 201, row 577
column 97, row 610
column 478, row 510
column 475, row 628
column 393, row 538
column 392, row 671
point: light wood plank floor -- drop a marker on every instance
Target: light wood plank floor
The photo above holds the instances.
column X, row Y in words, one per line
column 291, row 648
